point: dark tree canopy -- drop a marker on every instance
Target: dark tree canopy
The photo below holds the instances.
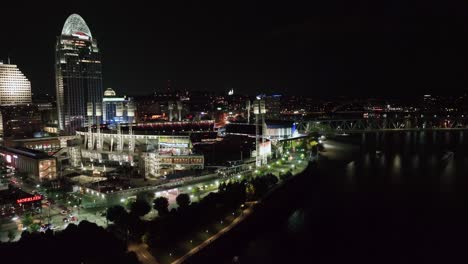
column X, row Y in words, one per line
column 115, row 213
column 140, row 208
column 85, row 243
column 183, row 200
column 161, row 204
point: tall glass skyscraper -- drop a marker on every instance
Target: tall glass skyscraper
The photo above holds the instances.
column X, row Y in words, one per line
column 78, row 74
column 17, row 114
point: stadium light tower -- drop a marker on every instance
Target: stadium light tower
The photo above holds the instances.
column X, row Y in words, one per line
column 170, row 106
column 259, row 112
column 248, row 110
column 179, row 109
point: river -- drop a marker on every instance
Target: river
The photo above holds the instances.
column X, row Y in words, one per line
column 393, row 197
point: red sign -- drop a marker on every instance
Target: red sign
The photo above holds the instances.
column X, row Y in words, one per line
column 29, row 199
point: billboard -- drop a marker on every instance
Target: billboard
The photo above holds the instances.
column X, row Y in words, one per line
column 119, row 109
column 98, row 109
column 130, row 109
column 89, row 109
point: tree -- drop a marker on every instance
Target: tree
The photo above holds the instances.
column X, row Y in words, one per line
column 161, row 204
column 11, row 235
column 27, row 220
column 250, row 191
column 115, row 213
column 197, row 192
column 34, row 227
column 140, row 208
column 183, row 200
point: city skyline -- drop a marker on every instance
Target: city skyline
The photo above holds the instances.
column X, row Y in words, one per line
column 174, row 132
column 261, row 48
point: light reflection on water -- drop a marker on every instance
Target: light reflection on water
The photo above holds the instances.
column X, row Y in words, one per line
column 410, row 161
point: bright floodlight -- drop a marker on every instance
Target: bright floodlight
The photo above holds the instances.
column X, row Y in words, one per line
column 75, row 24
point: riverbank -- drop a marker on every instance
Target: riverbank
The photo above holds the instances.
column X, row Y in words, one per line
column 404, row 204
column 271, row 212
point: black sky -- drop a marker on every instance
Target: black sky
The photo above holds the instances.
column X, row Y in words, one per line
column 322, row 48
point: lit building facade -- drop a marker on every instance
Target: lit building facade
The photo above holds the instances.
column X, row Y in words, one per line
column 273, row 105
column 15, row 88
column 116, row 109
column 36, row 164
column 78, row 74
column 19, row 121
column 17, row 114
column 156, row 148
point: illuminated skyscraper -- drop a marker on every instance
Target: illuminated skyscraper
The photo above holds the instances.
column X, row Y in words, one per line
column 18, row 117
column 15, row 88
column 78, row 74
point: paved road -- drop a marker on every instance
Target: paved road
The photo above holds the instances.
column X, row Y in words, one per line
column 194, row 250
column 141, row 250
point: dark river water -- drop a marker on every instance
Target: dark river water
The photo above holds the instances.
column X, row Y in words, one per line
column 394, row 197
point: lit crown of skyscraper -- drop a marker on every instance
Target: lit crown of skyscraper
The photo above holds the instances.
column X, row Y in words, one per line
column 76, row 26
column 109, row 92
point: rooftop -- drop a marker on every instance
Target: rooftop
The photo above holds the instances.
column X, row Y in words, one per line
column 31, row 153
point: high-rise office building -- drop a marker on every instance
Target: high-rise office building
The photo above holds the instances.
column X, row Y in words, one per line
column 15, row 88
column 116, row 109
column 17, row 115
column 78, row 74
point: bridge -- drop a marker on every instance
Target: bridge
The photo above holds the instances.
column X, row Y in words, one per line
column 408, row 122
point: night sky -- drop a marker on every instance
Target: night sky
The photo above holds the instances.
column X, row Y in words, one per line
column 323, row 48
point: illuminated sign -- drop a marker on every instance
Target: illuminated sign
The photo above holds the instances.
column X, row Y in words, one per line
column 29, row 199
column 174, row 145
